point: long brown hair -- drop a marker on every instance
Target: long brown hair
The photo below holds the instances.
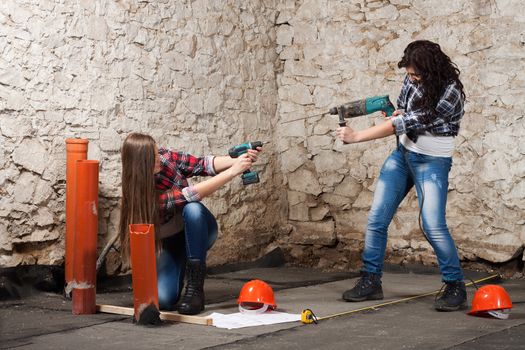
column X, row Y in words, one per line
column 139, row 198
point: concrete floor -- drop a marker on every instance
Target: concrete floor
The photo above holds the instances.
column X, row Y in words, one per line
column 44, row 320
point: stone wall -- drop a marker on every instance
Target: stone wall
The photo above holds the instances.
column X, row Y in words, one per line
column 338, row 51
column 204, row 75
column 197, row 75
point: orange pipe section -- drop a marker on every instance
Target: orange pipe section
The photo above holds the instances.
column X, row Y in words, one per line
column 76, row 149
column 143, row 267
column 85, row 238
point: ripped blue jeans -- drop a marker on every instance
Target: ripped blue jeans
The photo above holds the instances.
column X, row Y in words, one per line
column 200, row 232
column 401, row 170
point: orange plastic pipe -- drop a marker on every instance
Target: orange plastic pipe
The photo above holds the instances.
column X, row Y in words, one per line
column 143, row 267
column 85, row 238
column 76, row 149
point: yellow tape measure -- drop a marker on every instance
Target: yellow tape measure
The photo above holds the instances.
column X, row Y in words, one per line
column 308, row 316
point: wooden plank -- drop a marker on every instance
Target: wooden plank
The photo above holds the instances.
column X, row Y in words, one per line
column 112, row 309
column 164, row 315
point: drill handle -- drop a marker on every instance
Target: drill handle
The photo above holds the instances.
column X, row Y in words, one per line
column 341, row 113
column 342, row 121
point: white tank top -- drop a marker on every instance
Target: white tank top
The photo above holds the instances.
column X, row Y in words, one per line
column 430, row 145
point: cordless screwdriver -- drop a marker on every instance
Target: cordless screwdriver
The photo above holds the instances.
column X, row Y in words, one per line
column 248, row 177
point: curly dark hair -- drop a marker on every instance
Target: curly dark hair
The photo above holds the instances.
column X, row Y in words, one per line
column 435, row 67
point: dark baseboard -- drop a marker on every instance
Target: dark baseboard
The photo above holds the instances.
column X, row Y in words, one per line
column 17, row 282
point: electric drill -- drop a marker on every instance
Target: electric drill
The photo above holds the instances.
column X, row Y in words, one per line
column 363, row 107
column 248, row 177
column 357, row 108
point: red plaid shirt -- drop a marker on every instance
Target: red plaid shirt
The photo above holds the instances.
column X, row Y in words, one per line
column 172, row 180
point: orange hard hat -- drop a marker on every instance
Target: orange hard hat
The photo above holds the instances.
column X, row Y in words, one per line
column 490, row 298
column 256, row 294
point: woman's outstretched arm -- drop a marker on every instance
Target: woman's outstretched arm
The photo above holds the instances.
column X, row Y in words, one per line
column 212, row 184
column 349, row 135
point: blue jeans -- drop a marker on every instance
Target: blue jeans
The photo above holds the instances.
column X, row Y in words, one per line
column 401, row 170
column 200, row 232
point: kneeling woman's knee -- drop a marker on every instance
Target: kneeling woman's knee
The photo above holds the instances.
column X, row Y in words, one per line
column 194, row 210
column 166, row 301
column 168, row 292
column 195, row 213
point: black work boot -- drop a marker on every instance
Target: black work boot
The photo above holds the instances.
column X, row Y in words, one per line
column 368, row 287
column 453, row 298
column 192, row 302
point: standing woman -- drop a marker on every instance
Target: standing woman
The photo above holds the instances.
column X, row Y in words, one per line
column 155, row 190
column 430, row 111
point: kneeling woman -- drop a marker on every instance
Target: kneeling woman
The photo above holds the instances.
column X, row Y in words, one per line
column 155, row 190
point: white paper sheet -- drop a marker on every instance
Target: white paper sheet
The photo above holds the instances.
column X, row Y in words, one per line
column 240, row 320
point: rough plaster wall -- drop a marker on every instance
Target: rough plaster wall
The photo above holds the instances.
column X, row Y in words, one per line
column 197, row 75
column 337, row 51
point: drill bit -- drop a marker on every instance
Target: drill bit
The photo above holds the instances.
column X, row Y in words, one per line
column 302, row 118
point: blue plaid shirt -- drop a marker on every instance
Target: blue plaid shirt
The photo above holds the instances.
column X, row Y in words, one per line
column 444, row 122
